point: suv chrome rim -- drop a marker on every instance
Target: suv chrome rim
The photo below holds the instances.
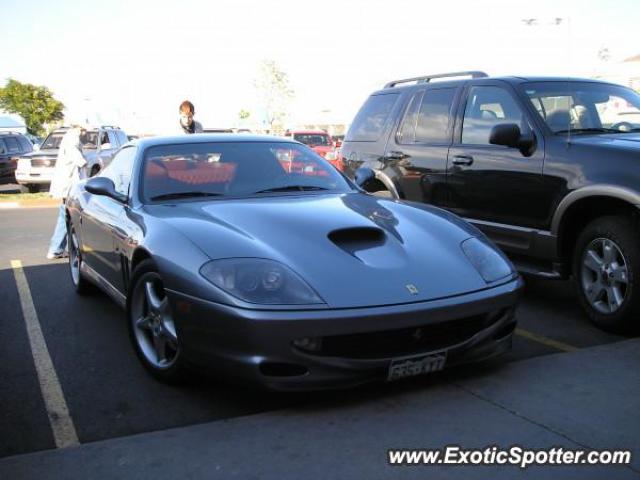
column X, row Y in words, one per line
column 604, row 275
column 74, row 258
column 153, row 325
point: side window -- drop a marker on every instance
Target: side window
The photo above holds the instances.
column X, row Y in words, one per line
column 25, row 144
column 407, row 130
column 120, row 169
column 433, row 118
column 487, row 107
column 113, row 139
column 104, row 137
column 12, row 145
column 122, row 137
column 372, row 118
column 3, row 147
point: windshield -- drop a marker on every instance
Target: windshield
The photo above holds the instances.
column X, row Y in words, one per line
column 52, row 141
column 585, row 107
column 235, row 169
column 312, row 139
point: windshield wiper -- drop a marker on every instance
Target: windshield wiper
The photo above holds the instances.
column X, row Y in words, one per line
column 291, row 188
column 170, row 196
column 590, row 130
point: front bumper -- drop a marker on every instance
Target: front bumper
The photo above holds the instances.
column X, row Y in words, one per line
column 256, row 346
column 40, row 176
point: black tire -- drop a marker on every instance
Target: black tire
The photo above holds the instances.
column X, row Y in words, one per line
column 81, row 285
column 175, row 374
column 621, row 232
column 94, row 170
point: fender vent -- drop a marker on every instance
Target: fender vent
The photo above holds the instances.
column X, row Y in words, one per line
column 354, row 239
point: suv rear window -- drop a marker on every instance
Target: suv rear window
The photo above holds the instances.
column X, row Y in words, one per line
column 372, row 118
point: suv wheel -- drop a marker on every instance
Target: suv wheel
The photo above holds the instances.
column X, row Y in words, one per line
column 606, row 260
column 94, row 170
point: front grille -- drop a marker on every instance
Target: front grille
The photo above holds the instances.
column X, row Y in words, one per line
column 407, row 341
column 43, row 162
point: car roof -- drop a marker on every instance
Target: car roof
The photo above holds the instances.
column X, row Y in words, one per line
column 510, row 79
column 208, row 138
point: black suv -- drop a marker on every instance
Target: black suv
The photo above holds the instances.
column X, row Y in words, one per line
column 549, row 168
column 12, row 146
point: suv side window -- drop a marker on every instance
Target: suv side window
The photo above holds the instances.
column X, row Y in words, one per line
column 372, row 118
column 120, row 169
column 113, row 139
column 3, row 148
column 104, row 138
column 26, row 145
column 12, row 145
column 486, row 107
column 433, row 118
column 122, row 138
column 407, row 130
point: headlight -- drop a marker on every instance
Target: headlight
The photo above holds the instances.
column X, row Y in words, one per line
column 490, row 263
column 257, row 280
column 23, row 164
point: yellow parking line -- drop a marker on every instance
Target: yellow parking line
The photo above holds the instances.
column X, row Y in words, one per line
column 549, row 342
column 64, row 432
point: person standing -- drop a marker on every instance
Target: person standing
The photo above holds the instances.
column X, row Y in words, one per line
column 187, row 123
column 68, row 171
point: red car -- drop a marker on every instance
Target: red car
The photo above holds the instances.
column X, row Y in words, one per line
column 320, row 141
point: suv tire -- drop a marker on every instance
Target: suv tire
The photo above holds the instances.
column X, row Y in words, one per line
column 606, row 264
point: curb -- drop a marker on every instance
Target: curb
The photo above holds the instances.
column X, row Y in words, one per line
column 51, row 203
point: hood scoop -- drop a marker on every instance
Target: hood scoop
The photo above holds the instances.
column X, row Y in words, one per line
column 353, row 240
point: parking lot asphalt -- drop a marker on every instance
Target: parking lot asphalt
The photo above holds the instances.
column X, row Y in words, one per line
column 108, row 393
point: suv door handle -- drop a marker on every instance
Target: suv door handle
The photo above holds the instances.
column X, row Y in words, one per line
column 462, row 160
column 395, row 155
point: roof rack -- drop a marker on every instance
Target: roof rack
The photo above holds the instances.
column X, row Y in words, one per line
column 428, row 78
column 10, row 132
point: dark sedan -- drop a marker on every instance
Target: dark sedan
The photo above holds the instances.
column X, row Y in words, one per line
column 256, row 258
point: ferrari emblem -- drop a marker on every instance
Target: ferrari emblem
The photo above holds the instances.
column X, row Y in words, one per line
column 413, row 290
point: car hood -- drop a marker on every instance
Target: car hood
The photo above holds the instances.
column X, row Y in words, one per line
column 353, row 249
column 48, row 153
column 615, row 140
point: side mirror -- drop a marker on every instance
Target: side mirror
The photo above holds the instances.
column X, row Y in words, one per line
column 104, row 186
column 509, row 135
column 363, row 176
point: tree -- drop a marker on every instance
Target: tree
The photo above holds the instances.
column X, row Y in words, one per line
column 244, row 114
column 34, row 103
column 275, row 93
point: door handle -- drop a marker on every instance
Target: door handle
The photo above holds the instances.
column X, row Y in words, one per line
column 396, row 155
column 462, row 160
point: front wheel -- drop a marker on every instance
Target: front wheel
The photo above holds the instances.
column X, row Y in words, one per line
column 151, row 326
column 605, row 265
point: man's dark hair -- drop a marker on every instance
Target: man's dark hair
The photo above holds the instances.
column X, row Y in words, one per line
column 187, row 106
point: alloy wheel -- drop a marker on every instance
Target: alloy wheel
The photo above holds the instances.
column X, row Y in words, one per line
column 153, row 325
column 604, row 277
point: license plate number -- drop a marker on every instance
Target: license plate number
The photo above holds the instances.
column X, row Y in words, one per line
column 417, row 365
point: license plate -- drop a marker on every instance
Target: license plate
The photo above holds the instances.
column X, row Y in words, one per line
column 417, row 365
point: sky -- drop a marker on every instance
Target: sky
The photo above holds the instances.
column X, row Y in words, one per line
column 132, row 62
